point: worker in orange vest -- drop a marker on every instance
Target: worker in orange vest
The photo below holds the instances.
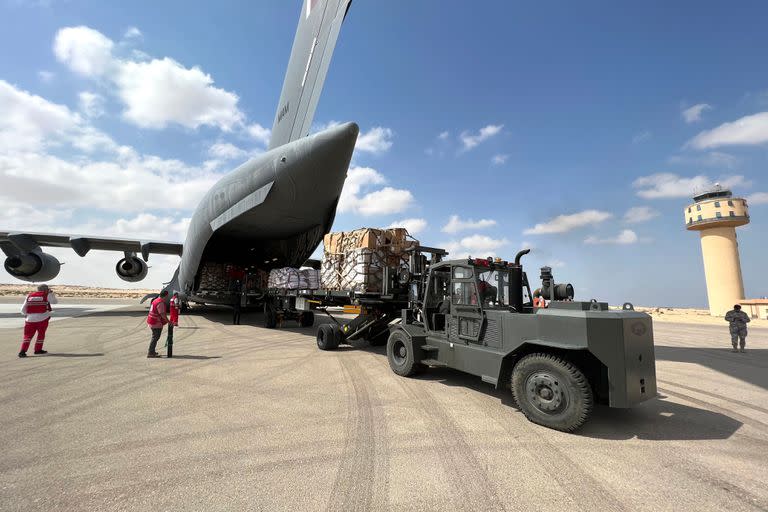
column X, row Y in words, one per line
column 37, row 310
column 156, row 319
column 538, row 300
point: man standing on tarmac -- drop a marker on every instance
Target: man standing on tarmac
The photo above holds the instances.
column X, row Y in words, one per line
column 156, row 320
column 737, row 324
column 37, row 309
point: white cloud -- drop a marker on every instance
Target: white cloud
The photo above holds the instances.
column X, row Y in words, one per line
column 474, row 245
column 155, row 92
column 29, row 174
column 668, row 185
column 499, row 159
column 91, row 104
column 564, row 223
column 28, row 122
column 377, row 140
column 626, row 237
column 160, row 92
column 84, row 50
column 414, row 226
column 132, row 33
column 387, row 200
column 693, row 114
column 473, row 140
column 640, row 214
column 456, row 224
column 641, row 137
column 226, row 151
column 259, row 133
column 46, row 76
column 444, row 135
column 758, row 198
column 747, row 131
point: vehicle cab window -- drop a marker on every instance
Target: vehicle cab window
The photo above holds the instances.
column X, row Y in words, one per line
column 493, row 288
column 465, row 293
column 462, row 273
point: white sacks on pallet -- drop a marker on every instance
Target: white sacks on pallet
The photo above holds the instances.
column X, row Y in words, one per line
column 355, row 260
column 288, row 278
column 310, row 279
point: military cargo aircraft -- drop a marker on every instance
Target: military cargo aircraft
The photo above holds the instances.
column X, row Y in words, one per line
column 272, row 211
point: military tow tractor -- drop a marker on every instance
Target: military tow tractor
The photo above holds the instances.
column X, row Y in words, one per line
column 477, row 316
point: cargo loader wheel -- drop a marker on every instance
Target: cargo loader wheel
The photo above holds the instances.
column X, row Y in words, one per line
column 400, row 354
column 552, row 392
column 306, row 319
column 327, row 337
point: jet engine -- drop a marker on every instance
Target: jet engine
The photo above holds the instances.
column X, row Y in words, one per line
column 131, row 269
column 33, row 266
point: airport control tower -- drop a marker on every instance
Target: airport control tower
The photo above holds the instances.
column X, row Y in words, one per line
column 716, row 214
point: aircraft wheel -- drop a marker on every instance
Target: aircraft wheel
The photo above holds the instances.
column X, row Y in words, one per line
column 306, row 319
column 400, row 354
column 327, row 337
column 552, row 392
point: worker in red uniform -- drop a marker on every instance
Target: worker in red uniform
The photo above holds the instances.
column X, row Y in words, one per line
column 175, row 309
column 156, row 319
column 37, row 310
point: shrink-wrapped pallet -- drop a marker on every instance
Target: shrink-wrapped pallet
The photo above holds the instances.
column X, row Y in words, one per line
column 286, row 278
column 310, row 279
column 355, row 260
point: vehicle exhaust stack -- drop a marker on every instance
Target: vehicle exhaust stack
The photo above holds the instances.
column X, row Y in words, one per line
column 516, row 282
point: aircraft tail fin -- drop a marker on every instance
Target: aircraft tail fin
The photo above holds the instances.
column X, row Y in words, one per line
column 319, row 25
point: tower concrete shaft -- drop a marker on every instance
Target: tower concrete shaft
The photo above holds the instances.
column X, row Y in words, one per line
column 722, row 268
column 716, row 214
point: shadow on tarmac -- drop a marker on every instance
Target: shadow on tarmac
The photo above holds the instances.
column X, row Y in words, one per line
column 195, row 358
column 659, row 420
column 51, row 354
column 751, row 367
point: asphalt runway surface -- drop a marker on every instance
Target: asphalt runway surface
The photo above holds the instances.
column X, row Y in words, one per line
column 245, row 418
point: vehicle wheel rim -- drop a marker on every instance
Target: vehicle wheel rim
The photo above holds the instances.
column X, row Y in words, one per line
column 546, row 392
column 399, row 353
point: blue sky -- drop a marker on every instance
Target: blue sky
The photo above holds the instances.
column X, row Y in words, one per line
column 555, row 115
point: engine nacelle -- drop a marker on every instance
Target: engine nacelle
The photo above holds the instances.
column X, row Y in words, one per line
column 131, row 269
column 33, row 266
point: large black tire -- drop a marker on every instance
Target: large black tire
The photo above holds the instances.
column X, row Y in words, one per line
column 270, row 316
column 401, row 355
column 552, row 392
column 306, row 319
column 327, row 337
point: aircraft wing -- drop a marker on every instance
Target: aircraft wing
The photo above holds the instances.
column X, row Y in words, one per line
column 319, row 25
column 12, row 242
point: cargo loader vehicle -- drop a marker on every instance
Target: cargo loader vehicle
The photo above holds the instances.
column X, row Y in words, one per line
column 478, row 316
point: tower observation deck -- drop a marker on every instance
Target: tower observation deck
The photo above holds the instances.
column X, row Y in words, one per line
column 716, row 214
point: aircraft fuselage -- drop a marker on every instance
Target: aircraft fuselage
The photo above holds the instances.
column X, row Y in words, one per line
column 273, row 210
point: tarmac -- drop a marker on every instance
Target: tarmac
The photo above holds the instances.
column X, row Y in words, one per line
column 246, row 418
